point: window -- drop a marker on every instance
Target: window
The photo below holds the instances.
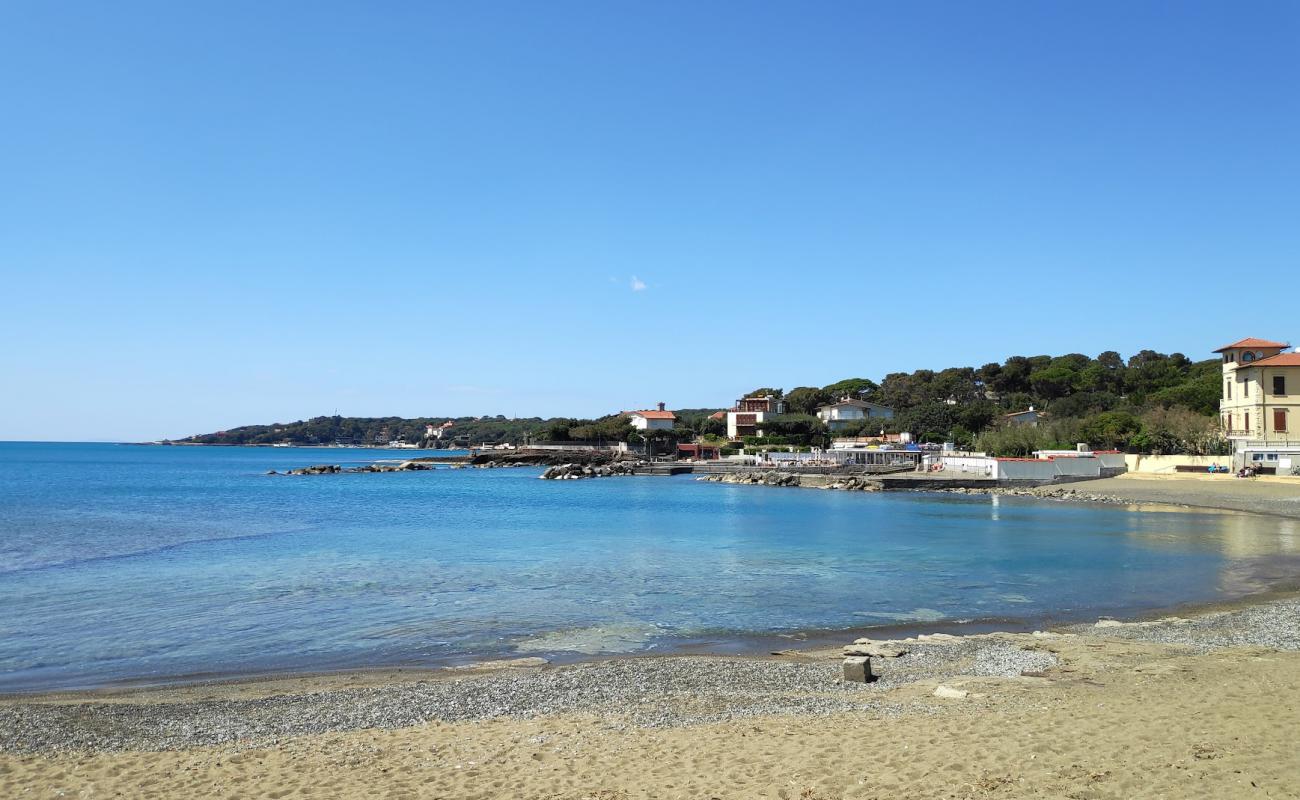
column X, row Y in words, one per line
column 1279, row 420
column 1245, row 388
column 1229, row 422
column 1270, row 456
column 1279, row 385
column 1246, row 425
column 1227, row 390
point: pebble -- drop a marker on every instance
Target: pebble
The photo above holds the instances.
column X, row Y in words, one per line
column 638, row 692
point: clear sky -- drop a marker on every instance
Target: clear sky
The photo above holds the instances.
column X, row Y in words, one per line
column 220, row 213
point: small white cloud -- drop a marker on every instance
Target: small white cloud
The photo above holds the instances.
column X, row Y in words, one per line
column 638, row 285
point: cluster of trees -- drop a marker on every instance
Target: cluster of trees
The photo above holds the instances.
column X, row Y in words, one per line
column 1151, row 402
column 691, row 422
column 376, row 430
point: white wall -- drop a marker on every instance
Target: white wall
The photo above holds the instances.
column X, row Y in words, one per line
column 731, row 421
column 1034, row 469
column 1077, row 467
column 977, row 466
column 1167, row 464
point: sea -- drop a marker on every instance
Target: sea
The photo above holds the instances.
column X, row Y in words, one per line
column 125, row 564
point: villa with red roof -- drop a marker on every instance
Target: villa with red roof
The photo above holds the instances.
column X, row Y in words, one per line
column 1260, row 408
column 653, row 420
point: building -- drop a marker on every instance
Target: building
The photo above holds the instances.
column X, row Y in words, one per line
column 1028, row 417
column 1047, row 466
column 655, row 420
column 846, row 411
column 1260, row 408
column 747, row 417
column 699, row 451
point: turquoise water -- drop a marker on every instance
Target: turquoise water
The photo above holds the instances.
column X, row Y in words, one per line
column 148, row 563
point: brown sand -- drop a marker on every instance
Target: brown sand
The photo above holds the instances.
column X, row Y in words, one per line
column 1264, row 495
column 1116, row 719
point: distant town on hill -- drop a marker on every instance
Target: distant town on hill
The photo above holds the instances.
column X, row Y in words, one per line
column 1151, row 402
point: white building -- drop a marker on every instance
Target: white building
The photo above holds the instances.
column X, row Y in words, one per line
column 1028, row 417
column 746, row 419
column 1047, row 466
column 655, row 420
column 847, row 410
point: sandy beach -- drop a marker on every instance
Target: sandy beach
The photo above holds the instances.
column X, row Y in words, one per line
column 1278, row 496
column 1202, row 705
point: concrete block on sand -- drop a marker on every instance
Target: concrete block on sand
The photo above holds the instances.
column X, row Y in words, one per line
column 857, row 669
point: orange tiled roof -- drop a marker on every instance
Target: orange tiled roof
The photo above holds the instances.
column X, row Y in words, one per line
column 1251, row 343
column 655, row 414
column 1279, row 360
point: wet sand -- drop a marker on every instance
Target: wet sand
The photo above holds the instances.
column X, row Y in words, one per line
column 1264, row 495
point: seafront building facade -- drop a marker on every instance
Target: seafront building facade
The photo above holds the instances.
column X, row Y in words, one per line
column 746, row 419
column 846, row 411
column 1260, row 405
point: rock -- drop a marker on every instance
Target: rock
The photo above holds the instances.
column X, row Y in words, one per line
column 317, row 469
column 508, row 663
column 1108, row 623
column 937, row 637
column 574, row 471
column 272, row 472
column 875, row 649
column 857, row 669
column 949, row 693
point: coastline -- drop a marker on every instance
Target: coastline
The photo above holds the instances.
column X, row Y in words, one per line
column 1200, row 705
column 1277, row 497
column 1195, row 706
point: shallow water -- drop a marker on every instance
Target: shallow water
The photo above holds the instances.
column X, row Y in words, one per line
column 147, row 563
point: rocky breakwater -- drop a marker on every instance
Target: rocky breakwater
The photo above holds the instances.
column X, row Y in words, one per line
column 544, row 458
column 570, row 472
column 335, row 469
column 769, row 478
column 854, row 483
column 1043, row 492
column 845, row 483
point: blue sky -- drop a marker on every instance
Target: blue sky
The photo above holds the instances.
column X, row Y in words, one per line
column 225, row 213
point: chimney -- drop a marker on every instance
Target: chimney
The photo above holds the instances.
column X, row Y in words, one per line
column 661, row 406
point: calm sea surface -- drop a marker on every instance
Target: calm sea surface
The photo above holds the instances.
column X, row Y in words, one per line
column 148, row 563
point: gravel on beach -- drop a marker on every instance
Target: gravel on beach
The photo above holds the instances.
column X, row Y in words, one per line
column 1274, row 625
column 631, row 692
column 645, row 692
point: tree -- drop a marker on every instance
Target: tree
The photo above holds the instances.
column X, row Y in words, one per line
column 929, row 422
column 1110, row 429
column 1053, row 382
column 777, row 393
column 1013, row 377
column 860, row 388
column 793, row 425
column 806, row 400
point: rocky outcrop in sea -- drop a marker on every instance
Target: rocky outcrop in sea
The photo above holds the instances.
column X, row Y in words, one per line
column 335, row 469
column 769, row 478
column 568, row 472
